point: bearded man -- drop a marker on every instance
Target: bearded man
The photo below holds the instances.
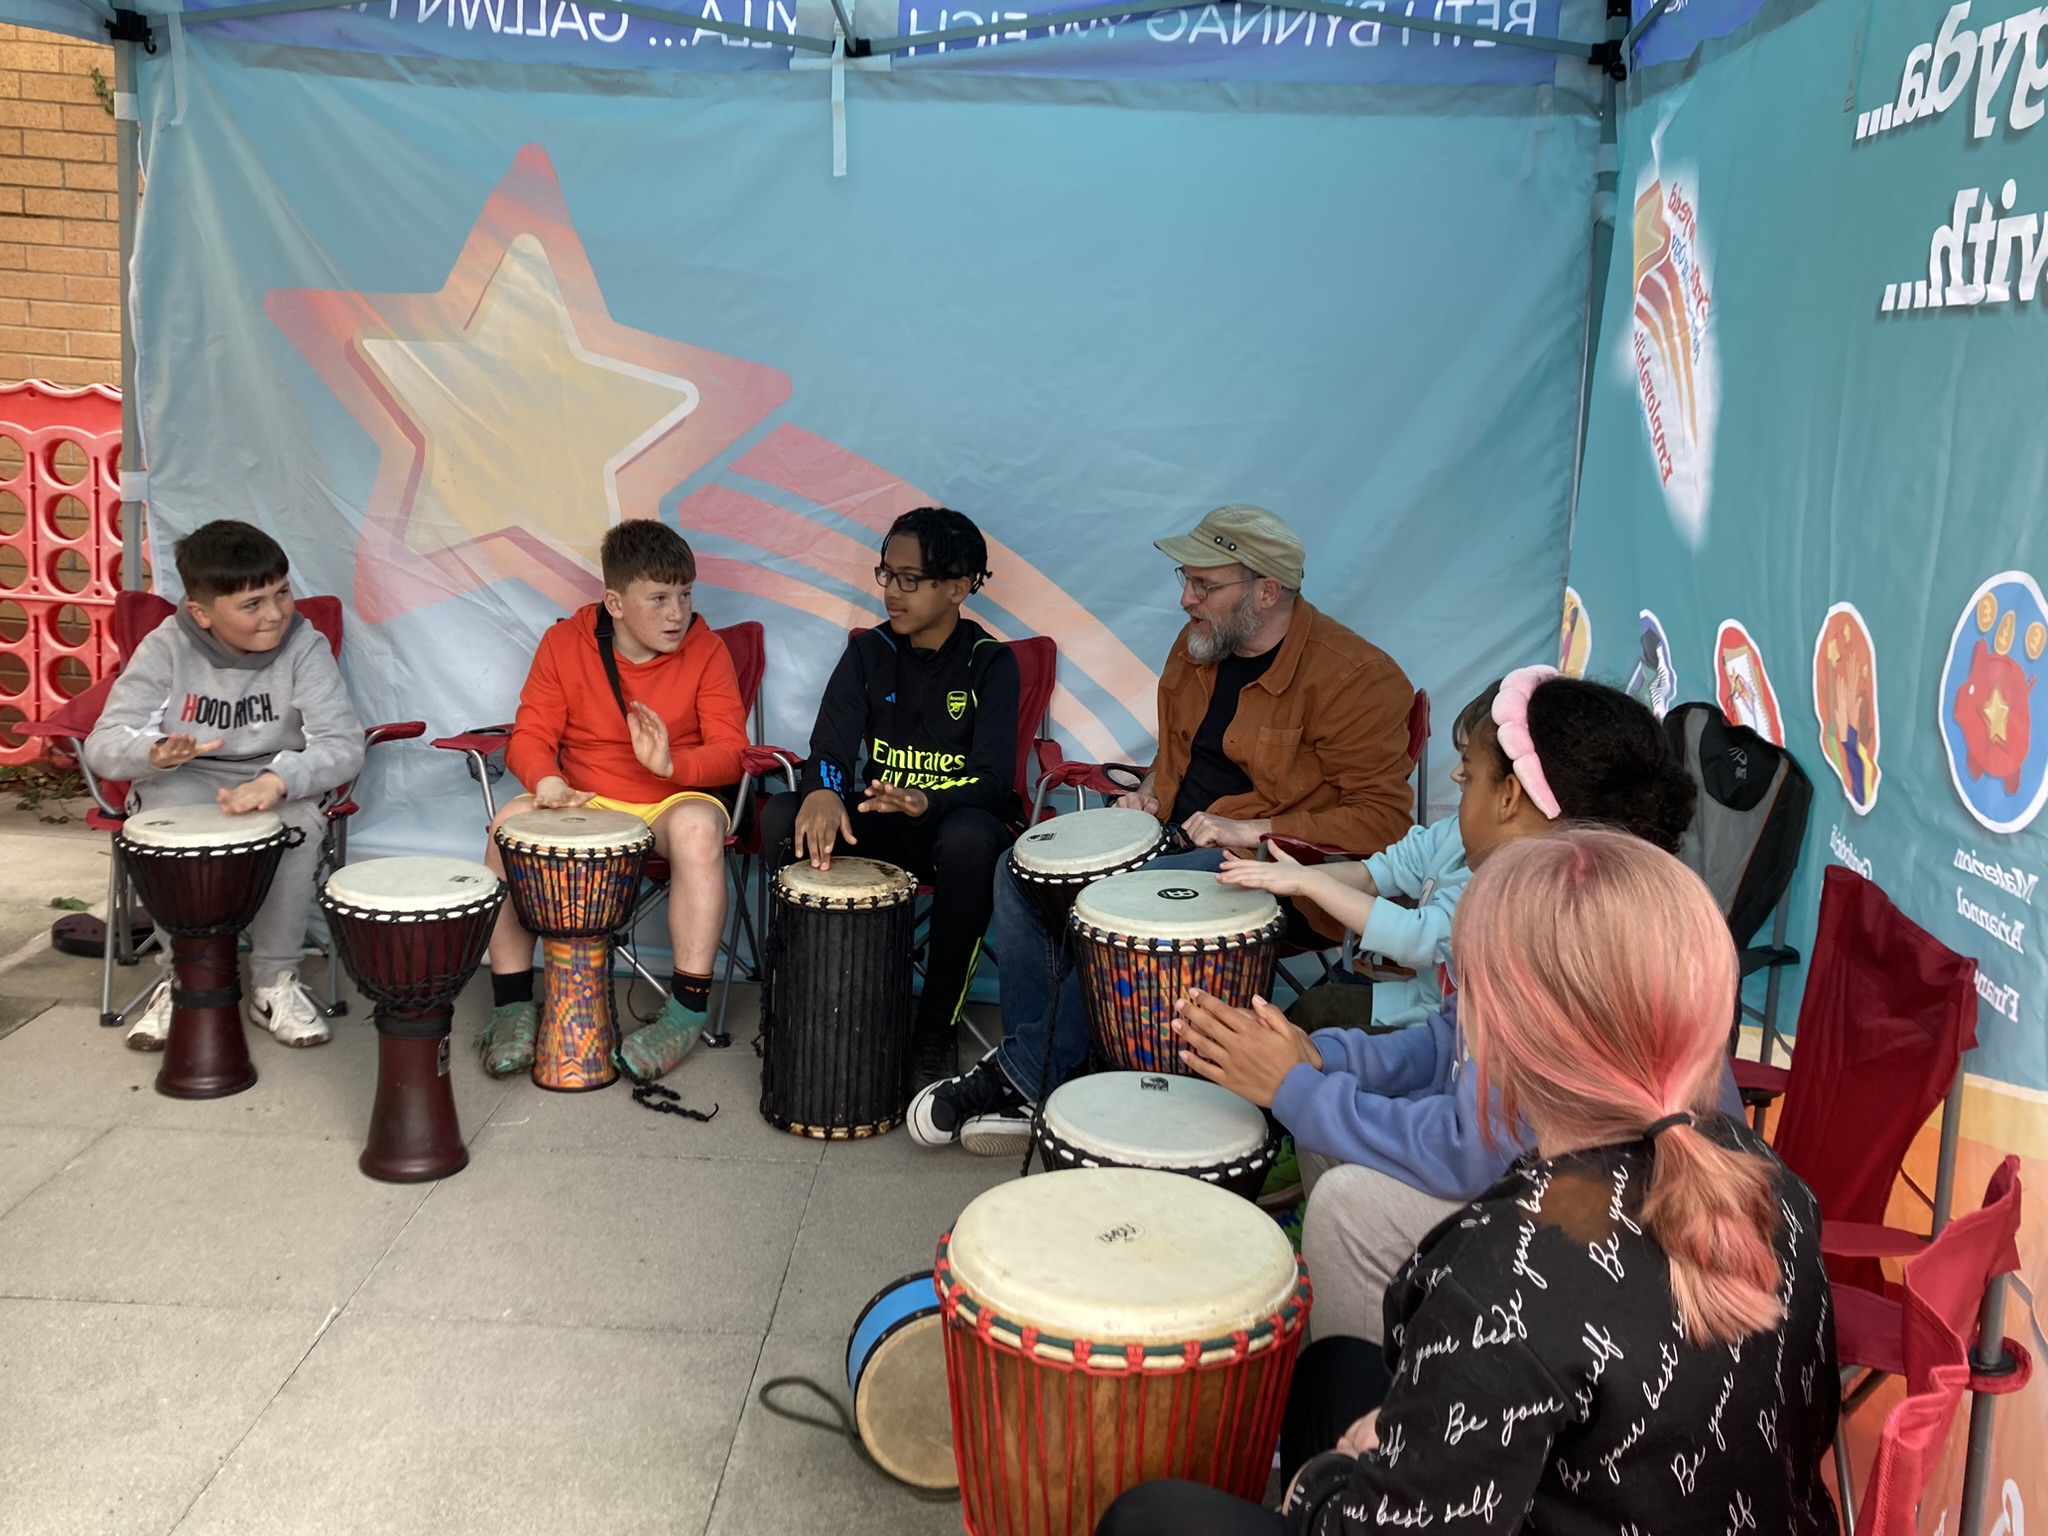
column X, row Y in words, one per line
column 1273, row 718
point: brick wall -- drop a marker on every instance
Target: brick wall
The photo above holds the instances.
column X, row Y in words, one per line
column 59, row 304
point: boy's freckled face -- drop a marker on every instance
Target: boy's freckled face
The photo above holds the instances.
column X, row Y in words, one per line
column 248, row 622
column 655, row 615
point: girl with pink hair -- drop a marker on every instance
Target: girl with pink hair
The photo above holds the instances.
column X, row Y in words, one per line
column 1632, row 1329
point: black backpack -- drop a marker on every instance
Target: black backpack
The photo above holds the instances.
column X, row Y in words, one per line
column 1751, row 818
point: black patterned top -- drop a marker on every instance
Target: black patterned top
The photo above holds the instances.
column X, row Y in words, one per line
column 1542, row 1384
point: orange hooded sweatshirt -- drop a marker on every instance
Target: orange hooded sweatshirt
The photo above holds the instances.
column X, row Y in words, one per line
column 569, row 724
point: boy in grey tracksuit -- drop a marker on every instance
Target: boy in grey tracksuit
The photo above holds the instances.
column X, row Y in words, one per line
column 236, row 700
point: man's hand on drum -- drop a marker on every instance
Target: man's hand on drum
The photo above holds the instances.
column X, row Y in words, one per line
column 1206, row 831
column 554, row 794
column 258, row 794
column 176, row 751
column 1250, row 1051
column 650, row 740
column 895, row 800
column 820, row 823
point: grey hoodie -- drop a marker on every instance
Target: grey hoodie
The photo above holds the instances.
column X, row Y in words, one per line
column 284, row 709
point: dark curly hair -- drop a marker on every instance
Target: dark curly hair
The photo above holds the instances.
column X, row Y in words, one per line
column 1605, row 755
column 948, row 544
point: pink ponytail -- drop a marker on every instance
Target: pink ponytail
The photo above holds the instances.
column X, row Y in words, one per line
column 1596, row 982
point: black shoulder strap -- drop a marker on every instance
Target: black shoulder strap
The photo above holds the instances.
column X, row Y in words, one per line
column 611, row 662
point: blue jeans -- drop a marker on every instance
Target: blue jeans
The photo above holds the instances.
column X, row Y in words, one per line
column 1031, row 964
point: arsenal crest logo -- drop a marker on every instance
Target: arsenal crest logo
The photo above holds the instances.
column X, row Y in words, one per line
column 956, row 703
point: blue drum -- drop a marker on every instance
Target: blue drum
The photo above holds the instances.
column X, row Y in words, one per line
column 896, row 1369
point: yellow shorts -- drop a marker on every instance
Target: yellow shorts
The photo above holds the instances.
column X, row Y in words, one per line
column 652, row 813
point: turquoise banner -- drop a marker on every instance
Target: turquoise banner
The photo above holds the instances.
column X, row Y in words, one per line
column 1813, row 474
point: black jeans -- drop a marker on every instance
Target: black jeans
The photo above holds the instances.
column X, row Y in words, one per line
column 1337, row 1382
column 954, row 853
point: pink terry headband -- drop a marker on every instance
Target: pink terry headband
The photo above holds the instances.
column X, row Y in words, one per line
column 1511, row 719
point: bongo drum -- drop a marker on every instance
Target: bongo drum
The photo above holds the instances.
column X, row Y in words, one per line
column 835, row 1008
column 411, row 932
column 1056, row 860
column 1108, row 1326
column 1143, row 939
column 1185, row 1125
column 574, row 875
column 896, row 1370
column 203, row 874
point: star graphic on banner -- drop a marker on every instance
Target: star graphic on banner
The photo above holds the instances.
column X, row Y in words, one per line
column 1995, row 712
column 515, row 419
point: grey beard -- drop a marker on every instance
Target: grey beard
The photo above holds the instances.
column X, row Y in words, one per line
column 1226, row 635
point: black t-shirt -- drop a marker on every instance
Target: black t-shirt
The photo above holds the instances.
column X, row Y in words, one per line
column 1211, row 774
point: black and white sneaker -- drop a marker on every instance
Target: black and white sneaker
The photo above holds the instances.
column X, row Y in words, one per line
column 979, row 1109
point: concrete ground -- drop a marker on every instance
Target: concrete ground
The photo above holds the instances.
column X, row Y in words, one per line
column 211, row 1322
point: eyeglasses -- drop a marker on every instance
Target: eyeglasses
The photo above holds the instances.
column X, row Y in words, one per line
column 1204, row 590
column 902, row 581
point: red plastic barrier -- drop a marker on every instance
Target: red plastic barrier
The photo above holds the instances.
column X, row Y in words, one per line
column 60, row 549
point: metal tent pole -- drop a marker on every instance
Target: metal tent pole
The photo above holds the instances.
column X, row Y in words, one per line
column 127, row 159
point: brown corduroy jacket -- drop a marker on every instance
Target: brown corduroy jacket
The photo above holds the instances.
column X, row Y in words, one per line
column 1323, row 735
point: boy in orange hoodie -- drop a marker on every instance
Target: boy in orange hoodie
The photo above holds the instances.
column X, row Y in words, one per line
column 631, row 705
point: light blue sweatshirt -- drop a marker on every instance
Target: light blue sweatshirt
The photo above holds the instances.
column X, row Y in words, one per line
column 1428, row 867
column 1407, row 1104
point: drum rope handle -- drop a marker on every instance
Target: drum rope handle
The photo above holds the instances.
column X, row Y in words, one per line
column 841, row 1423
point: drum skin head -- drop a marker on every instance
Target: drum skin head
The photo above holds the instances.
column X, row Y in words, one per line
column 1173, row 904
column 1082, row 841
column 847, row 881
column 199, row 826
column 577, row 828
column 411, row 884
column 1145, row 1120
column 1122, row 1255
column 901, row 1407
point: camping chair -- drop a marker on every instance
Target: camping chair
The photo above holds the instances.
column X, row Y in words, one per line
column 1944, row 1334
column 1888, row 1013
column 1744, row 842
column 483, row 747
column 136, row 614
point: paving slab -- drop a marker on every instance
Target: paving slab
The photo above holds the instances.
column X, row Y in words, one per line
column 399, row 1425
column 31, row 1155
column 118, row 1414
column 599, row 1242
column 867, row 1226
column 785, row 1476
column 151, row 1214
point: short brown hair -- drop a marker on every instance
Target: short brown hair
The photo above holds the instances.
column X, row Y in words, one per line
column 645, row 549
column 221, row 558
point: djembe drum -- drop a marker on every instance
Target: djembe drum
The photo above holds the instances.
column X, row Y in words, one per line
column 1185, row 1125
column 1144, row 939
column 1108, row 1326
column 836, row 1005
column 1058, row 859
column 574, row 876
column 411, row 931
column 203, row 874
column 896, row 1371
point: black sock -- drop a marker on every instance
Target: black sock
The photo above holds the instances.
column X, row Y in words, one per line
column 693, row 992
column 514, row 988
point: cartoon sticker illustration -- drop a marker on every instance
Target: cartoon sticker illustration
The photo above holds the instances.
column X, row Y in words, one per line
column 1655, row 678
column 1743, row 686
column 1845, row 703
column 1986, row 708
column 1575, row 638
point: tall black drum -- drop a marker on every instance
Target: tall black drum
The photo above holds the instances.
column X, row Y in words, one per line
column 835, row 1010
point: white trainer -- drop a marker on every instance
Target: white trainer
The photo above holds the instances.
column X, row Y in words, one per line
column 288, row 1012
column 153, row 1028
